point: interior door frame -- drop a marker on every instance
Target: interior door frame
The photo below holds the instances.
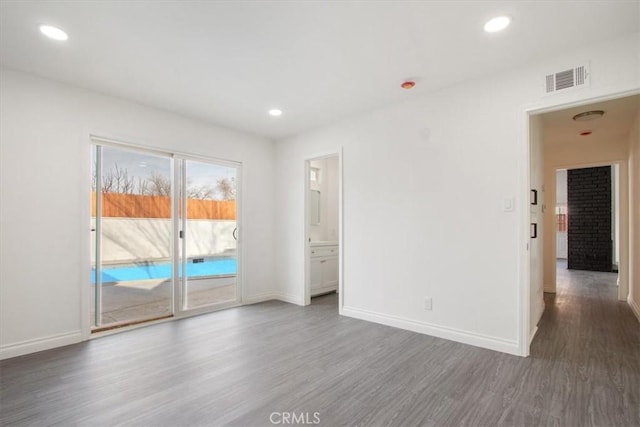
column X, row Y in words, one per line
column 96, row 139
column 547, row 105
column 306, row 289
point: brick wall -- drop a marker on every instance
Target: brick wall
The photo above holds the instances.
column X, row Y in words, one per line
column 589, row 219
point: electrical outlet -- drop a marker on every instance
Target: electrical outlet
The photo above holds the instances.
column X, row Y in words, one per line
column 427, row 303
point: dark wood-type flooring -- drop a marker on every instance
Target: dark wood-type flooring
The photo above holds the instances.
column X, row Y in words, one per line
column 238, row 366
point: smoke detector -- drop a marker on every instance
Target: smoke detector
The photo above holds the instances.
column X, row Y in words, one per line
column 408, row 84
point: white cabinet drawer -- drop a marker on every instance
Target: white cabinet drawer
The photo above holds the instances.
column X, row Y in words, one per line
column 321, row 251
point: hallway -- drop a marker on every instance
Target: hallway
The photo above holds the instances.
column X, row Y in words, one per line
column 588, row 351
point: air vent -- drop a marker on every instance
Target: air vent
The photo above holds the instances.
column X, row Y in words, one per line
column 567, row 79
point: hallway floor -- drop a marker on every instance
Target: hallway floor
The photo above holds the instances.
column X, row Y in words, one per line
column 588, row 346
column 240, row 366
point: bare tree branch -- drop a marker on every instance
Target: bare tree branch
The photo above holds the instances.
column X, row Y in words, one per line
column 226, row 188
column 157, row 185
column 116, row 180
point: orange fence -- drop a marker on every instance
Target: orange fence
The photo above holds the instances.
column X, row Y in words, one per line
column 138, row 206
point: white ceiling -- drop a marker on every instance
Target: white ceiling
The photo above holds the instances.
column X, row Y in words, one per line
column 319, row 61
column 559, row 128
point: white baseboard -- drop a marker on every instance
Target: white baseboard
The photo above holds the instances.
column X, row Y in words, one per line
column 292, row 299
column 265, row 296
column 270, row 296
column 326, row 290
column 534, row 328
column 39, row 344
column 541, row 308
column 532, row 334
column 634, row 307
column 465, row 337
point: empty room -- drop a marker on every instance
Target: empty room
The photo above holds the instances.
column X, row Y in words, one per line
column 258, row 213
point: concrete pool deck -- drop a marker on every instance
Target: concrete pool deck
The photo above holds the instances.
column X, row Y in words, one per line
column 147, row 299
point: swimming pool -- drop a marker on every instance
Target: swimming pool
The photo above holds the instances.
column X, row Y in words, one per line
column 149, row 270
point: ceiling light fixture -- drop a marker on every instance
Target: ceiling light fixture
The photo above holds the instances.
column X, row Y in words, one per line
column 588, row 115
column 275, row 112
column 497, row 24
column 53, row 32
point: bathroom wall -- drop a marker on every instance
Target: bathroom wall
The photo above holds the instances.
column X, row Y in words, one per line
column 328, row 187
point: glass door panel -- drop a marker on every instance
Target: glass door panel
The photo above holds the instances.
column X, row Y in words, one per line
column 210, row 231
column 132, row 229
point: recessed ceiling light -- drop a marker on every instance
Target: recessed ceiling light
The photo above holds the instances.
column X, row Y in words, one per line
column 588, row 115
column 275, row 112
column 497, row 24
column 53, row 32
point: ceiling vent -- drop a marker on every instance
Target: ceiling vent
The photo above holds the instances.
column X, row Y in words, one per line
column 564, row 80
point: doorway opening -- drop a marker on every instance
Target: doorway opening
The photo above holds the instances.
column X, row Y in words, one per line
column 592, row 242
column 323, row 230
column 164, row 235
column 587, row 228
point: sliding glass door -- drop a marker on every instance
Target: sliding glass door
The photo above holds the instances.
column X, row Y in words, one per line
column 209, row 241
column 131, row 275
column 164, row 236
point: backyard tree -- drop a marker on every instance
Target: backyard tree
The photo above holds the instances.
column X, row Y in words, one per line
column 116, row 180
column 157, row 185
column 226, row 188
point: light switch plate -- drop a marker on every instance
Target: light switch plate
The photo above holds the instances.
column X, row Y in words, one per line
column 508, row 204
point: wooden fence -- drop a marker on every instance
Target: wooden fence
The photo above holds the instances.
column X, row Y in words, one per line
column 138, row 206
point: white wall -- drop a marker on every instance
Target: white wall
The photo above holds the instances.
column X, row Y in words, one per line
column 424, row 186
column 561, row 187
column 634, row 214
column 536, row 295
column 44, row 186
column 332, row 198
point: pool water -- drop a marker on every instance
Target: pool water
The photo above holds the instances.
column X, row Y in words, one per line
column 147, row 271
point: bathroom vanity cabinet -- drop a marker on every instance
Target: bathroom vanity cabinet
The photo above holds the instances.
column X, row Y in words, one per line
column 324, row 267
